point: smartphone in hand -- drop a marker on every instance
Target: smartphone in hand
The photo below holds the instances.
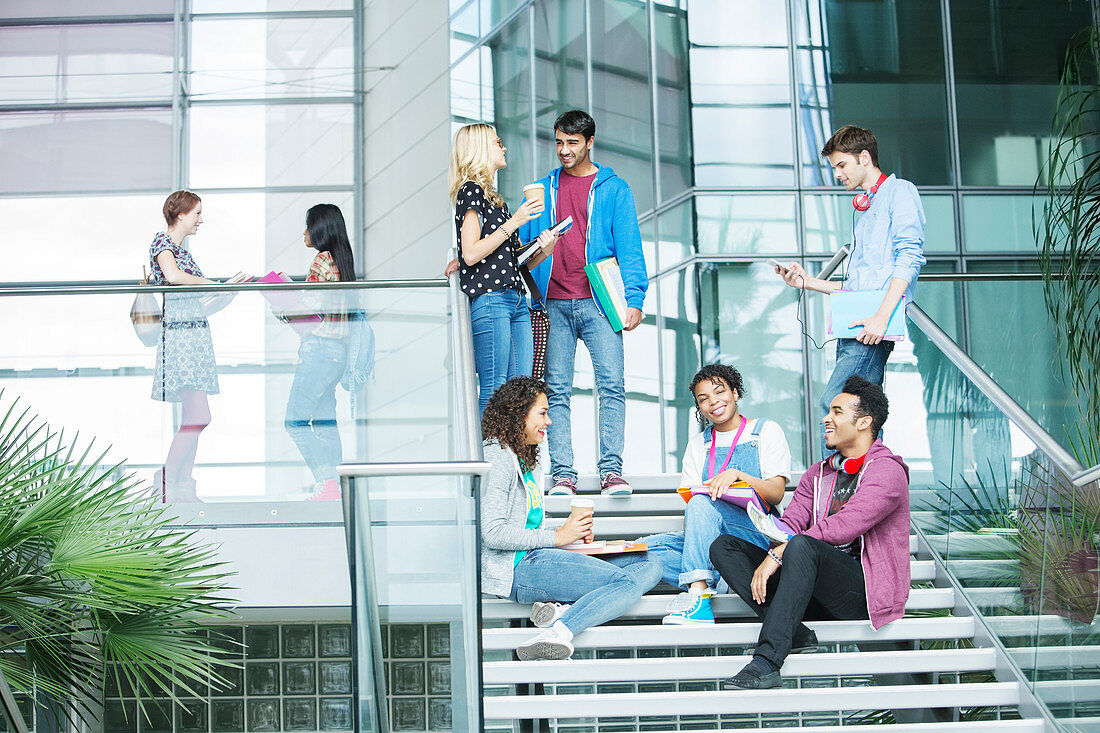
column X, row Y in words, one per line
column 776, row 263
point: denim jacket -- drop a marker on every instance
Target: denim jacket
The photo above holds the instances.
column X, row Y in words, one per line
column 888, row 239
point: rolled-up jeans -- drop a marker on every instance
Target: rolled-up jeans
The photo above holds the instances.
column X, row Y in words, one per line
column 600, row 590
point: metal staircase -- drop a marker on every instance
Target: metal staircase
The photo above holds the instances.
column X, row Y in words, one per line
column 933, row 666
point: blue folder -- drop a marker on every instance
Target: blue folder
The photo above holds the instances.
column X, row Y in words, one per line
column 852, row 305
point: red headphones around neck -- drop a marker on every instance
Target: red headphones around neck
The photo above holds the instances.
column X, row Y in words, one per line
column 862, row 201
column 838, row 462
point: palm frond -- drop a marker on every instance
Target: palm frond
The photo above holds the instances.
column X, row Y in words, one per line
column 92, row 576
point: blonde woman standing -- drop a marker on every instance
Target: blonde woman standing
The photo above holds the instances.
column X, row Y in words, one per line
column 488, row 271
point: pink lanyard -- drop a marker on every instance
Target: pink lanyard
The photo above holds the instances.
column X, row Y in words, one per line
column 714, row 444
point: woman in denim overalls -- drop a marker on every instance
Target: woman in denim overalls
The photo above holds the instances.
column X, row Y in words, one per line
column 685, row 556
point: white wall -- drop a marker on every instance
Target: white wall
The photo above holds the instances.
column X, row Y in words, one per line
column 407, row 226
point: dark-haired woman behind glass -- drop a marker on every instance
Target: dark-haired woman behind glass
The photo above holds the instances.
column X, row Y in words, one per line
column 323, row 354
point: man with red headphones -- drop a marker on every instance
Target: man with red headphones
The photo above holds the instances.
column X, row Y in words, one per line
column 849, row 556
column 887, row 254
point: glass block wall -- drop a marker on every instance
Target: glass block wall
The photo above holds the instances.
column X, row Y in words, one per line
column 290, row 677
column 714, row 111
column 298, row 677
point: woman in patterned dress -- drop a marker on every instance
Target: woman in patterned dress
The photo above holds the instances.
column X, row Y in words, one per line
column 489, row 273
column 323, row 353
column 185, row 370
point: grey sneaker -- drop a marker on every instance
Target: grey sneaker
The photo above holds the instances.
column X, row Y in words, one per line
column 563, row 485
column 544, row 615
column 612, row 484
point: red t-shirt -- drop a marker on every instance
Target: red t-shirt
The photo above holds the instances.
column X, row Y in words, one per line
column 567, row 278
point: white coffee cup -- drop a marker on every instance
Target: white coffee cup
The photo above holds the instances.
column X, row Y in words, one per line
column 580, row 507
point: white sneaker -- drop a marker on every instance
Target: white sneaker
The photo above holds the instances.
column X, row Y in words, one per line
column 544, row 615
column 547, row 644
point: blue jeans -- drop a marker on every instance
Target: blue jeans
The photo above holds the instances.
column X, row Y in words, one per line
column 685, row 556
column 311, row 405
column 570, row 320
column 503, row 348
column 853, row 358
column 600, row 590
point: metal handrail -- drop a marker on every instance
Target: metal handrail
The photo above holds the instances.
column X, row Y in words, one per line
column 377, row 710
column 1062, row 458
column 466, row 401
column 113, row 288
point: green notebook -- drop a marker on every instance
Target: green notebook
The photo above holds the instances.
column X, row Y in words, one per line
column 608, row 289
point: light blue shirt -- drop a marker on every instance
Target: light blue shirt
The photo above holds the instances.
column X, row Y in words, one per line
column 889, row 239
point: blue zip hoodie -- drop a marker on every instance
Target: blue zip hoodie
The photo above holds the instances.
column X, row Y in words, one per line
column 612, row 232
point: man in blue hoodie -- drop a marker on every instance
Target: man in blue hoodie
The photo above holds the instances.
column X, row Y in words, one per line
column 605, row 224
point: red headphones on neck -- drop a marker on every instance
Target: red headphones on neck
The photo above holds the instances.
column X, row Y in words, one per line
column 838, row 462
column 862, row 201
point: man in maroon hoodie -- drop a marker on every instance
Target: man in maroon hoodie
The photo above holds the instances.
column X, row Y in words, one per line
column 849, row 556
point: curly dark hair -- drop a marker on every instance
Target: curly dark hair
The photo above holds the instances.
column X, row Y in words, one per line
column 505, row 417
column 872, row 401
column 716, row 373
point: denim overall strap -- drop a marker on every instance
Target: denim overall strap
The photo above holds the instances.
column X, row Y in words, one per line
column 746, row 454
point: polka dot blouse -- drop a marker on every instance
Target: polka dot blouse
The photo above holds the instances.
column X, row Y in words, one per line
column 499, row 269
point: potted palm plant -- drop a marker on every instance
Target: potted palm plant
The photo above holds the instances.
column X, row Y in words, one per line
column 93, row 578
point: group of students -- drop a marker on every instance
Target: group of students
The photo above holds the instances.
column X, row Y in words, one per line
column 847, row 559
column 185, row 370
column 887, row 254
column 848, row 556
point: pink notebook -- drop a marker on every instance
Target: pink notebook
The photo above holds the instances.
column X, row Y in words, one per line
column 287, row 301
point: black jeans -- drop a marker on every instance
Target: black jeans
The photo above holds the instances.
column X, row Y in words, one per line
column 817, row 582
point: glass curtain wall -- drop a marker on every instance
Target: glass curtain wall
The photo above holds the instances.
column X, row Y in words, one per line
column 714, row 111
column 107, row 107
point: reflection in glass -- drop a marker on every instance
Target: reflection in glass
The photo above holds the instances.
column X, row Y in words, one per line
column 511, row 80
column 271, row 145
column 743, row 145
column 673, row 102
column 830, row 218
column 1007, row 68
column 749, row 320
column 891, row 81
column 642, row 447
column 101, row 62
column 86, row 150
column 745, row 224
column 271, row 57
column 560, row 77
column 676, row 234
column 680, row 359
column 244, row 454
column 1000, row 223
column 620, row 78
column 1001, row 313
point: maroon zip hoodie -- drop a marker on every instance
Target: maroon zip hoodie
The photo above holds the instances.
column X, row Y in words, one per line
column 877, row 514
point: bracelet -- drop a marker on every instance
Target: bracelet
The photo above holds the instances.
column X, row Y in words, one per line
column 507, row 236
column 773, row 556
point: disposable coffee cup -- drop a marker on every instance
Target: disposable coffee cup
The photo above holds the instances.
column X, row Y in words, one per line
column 536, row 193
column 580, row 507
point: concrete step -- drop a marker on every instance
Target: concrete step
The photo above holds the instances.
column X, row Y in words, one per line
column 697, row 668
column 739, row 633
column 725, row 606
column 752, row 701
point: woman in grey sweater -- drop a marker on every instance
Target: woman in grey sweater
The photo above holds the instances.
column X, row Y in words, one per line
column 519, row 556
